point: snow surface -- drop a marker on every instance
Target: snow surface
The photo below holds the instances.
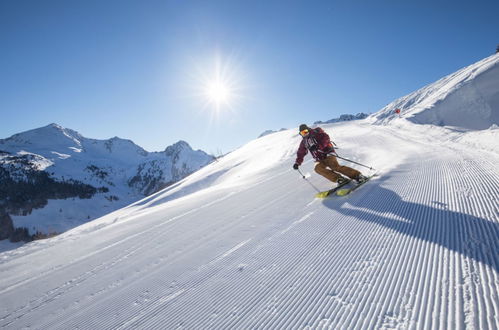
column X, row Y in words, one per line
column 243, row 244
column 468, row 98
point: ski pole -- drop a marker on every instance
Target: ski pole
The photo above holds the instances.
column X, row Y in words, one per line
column 351, row 161
column 310, row 183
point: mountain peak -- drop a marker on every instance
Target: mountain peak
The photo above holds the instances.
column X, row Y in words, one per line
column 182, row 144
column 54, row 128
column 177, row 147
column 54, row 125
column 117, row 144
column 50, row 135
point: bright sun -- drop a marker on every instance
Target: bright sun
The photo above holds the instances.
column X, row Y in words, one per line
column 218, row 93
column 219, row 84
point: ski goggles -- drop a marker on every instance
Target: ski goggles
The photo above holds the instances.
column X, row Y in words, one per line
column 304, row 132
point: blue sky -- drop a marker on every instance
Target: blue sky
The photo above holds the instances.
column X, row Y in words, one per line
column 139, row 69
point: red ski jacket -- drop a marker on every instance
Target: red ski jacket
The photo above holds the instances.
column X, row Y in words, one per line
column 316, row 137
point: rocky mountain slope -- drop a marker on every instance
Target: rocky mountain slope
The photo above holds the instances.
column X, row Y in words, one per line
column 53, row 178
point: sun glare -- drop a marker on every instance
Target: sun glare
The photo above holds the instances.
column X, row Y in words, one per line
column 219, row 86
column 218, row 93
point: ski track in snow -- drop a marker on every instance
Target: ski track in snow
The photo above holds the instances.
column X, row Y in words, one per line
column 415, row 248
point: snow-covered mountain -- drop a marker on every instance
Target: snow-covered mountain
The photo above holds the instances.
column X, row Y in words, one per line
column 269, row 131
column 243, row 243
column 344, row 117
column 466, row 99
column 54, row 179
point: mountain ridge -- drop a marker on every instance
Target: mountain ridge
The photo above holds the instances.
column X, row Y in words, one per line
column 467, row 98
column 115, row 170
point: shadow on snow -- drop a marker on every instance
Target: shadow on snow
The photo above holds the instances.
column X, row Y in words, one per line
column 469, row 235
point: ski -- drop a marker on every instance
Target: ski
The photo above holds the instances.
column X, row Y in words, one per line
column 344, row 192
column 324, row 194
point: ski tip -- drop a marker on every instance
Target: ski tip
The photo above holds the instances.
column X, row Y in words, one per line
column 342, row 192
column 322, row 194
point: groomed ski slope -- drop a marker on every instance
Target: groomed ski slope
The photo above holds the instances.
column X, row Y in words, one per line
column 243, row 244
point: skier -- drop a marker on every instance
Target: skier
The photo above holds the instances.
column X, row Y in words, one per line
column 321, row 148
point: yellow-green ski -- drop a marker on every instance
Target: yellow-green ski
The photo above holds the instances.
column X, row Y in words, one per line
column 324, row 194
column 346, row 191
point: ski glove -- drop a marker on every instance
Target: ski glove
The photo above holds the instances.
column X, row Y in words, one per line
column 295, row 166
column 313, row 147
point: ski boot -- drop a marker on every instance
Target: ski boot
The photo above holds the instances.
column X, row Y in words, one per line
column 342, row 181
column 361, row 178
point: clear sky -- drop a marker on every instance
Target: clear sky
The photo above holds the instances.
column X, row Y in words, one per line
column 219, row 73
